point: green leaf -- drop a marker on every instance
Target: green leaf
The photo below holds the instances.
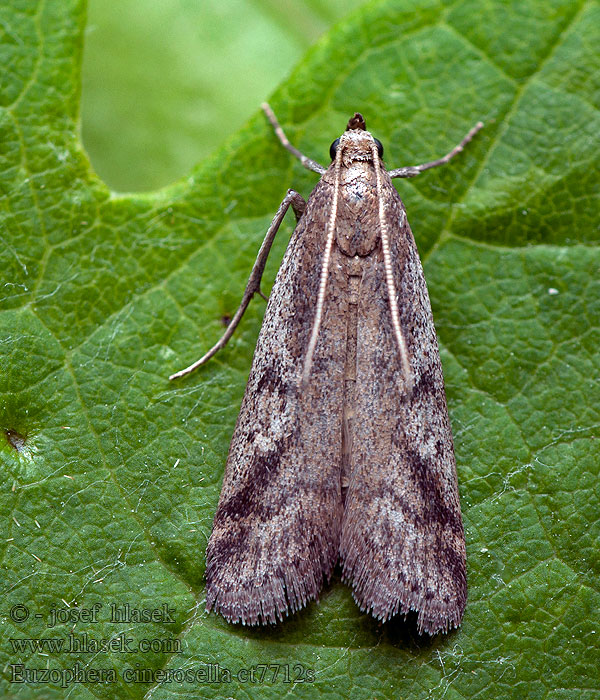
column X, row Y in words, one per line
column 110, row 475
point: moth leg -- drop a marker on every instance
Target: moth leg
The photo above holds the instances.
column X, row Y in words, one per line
column 413, row 170
column 296, row 201
column 306, row 162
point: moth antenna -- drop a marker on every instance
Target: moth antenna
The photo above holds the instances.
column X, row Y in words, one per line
column 389, row 278
column 314, row 335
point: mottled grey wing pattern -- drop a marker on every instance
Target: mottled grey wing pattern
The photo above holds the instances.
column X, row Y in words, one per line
column 277, row 527
column 402, row 544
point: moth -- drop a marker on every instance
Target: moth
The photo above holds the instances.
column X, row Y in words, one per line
column 342, row 451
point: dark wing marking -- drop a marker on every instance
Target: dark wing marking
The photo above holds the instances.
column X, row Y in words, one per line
column 276, row 531
column 402, row 544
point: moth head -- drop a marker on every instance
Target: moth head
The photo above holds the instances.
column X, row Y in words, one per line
column 356, row 142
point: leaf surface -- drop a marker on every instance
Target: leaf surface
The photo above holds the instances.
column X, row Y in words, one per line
column 110, row 475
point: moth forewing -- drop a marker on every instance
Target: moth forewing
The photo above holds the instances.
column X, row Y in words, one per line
column 342, row 449
column 276, row 531
column 402, row 545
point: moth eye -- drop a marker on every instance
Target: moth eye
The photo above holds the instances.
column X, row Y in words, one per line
column 379, row 147
column 333, row 149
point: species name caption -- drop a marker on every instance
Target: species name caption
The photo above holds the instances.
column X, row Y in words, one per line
column 342, row 449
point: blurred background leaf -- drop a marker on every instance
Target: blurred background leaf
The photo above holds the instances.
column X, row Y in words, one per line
column 165, row 81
